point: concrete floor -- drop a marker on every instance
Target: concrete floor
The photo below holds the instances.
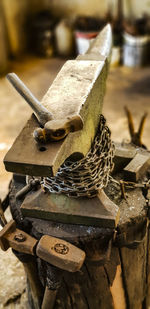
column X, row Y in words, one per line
column 124, row 87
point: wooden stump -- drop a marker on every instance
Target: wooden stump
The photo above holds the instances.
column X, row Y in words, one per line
column 116, row 272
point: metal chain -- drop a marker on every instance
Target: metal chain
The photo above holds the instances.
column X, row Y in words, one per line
column 86, row 176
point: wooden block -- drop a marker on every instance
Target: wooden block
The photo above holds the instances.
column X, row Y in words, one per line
column 117, row 290
column 137, row 167
column 134, row 265
column 60, row 253
column 99, row 211
column 8, row 228
column 147, row 301
column 79, row 88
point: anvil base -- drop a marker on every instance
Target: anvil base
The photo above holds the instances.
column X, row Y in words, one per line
column 99, row 211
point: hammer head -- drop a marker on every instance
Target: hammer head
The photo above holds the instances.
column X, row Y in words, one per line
column 56, row 130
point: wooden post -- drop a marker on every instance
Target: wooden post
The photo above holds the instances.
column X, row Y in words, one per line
column 115, row 274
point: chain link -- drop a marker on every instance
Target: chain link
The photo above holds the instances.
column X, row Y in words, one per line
column 86, row 176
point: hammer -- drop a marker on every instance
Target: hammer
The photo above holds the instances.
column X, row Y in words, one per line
column 52, row 129
column 55, row 251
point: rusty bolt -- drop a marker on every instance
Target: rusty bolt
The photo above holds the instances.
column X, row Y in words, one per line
column 20, row 237
column 61, row 248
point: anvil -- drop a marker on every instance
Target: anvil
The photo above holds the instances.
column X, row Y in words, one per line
column 79, row 89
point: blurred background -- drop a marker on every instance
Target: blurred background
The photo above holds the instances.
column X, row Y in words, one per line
column 62, row 27
column 36, row 38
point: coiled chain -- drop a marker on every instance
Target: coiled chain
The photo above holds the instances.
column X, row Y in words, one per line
column 86, row 176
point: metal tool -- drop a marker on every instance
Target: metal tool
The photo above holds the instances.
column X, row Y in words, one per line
column 137, row 167
column 53, row 250
column 42, row 114
column 56, row 130
column 136, row 137
column 33, row 184
column 53, row 129
column 145, row 186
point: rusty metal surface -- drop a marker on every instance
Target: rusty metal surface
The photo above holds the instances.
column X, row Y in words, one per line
column 137, row 167
column 29, row 158
column 32, row 184
column 125, row 153
column 85, row 177
column 16, row 239
column 99, row 211
column 70, row 232
column 10, row 227
column 55, row 251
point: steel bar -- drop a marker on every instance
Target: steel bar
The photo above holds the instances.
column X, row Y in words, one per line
column 43, row 115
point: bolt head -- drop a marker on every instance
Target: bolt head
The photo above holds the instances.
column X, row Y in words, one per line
column 20, row 237
column 61, row 248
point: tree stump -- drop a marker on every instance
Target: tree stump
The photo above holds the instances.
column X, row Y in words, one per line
column 115, row 274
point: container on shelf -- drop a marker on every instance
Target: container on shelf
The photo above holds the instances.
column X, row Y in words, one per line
column 115, row 56
column 135, row 50
column 86, row 30
column 83, row 40
column 64, row 38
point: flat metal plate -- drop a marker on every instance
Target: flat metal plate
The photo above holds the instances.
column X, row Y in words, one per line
column 137, row 168
column 99, row 211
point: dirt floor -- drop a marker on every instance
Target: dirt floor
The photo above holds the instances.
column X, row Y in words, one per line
column 130, row 87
